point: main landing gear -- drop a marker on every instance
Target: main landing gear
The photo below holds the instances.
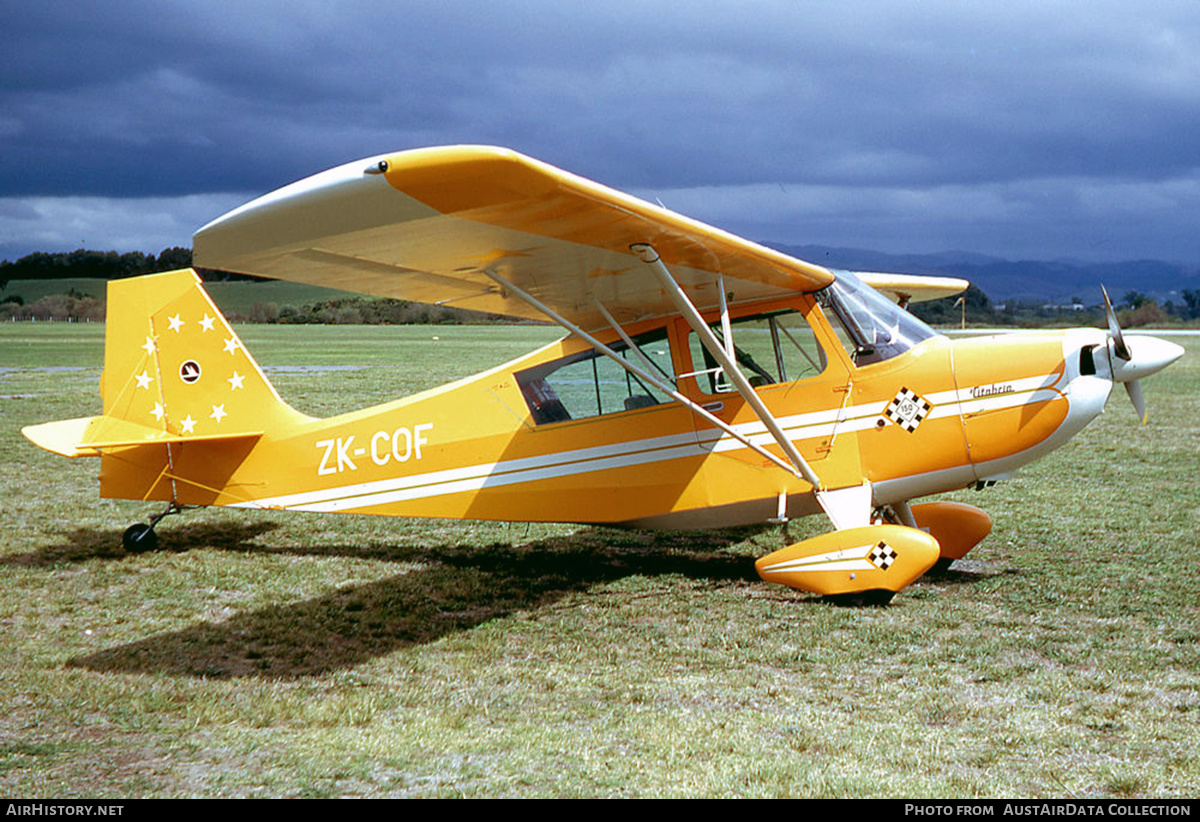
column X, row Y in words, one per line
column 140, row 538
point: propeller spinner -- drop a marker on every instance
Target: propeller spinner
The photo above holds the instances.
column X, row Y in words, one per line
column 1136, row 357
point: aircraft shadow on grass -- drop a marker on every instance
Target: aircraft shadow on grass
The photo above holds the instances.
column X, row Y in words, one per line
column 456, row 588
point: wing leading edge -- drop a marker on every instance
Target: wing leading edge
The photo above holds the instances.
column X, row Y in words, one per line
column 427, row 224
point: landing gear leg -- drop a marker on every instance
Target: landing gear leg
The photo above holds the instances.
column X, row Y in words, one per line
column 140, row 537
column 957, row 527
column 901, row 513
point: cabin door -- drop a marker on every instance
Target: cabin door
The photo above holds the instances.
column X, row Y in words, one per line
column 786, row 363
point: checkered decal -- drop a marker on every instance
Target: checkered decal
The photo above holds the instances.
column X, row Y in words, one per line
column 907, row 409
column 882, row 555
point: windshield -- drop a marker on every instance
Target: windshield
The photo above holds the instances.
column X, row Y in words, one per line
column 877, row 328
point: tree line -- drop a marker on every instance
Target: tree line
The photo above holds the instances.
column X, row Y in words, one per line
column 104, row 265
column 109, row 265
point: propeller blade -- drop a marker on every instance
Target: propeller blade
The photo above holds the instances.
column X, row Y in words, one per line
column 1153, row 355
column 1134, row 389
column 1114, row 328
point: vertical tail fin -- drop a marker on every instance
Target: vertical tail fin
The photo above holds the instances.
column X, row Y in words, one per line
column 174, row 371
column 172, row 363
column 184, row 402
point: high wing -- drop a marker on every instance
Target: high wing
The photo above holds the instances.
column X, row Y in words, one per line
column 428, row 224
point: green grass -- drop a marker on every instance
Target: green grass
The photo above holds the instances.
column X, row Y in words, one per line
column 308, row 655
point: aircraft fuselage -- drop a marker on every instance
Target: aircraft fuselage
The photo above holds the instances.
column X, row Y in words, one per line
column 523, row 442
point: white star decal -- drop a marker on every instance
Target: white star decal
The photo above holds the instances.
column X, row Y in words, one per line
column 207, row 322
column 188, row 424
column 231, row 345
column 159, row 412
column 218, row 413
column 149, row 346
column 235, row 382
column 144, row 380
column 176, row 323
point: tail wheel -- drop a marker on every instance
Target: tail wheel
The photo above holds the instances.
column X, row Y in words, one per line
column 139, row 538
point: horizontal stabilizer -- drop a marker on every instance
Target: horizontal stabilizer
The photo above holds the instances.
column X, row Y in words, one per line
column 89, row 436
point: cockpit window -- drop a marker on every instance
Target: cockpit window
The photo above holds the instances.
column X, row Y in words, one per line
column 770, row 348
column 874, row 328
column 588, row 384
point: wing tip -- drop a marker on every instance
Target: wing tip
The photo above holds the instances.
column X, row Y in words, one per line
column 913, row 287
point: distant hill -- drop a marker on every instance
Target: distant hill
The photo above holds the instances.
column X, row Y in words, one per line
column 1055, row 281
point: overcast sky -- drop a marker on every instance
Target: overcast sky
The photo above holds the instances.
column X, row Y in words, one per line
column 1018, row 129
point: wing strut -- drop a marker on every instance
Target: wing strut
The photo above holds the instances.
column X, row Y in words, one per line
column 647, row 375
column 649, row 256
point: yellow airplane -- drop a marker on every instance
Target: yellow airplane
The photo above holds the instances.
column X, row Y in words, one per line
column 705, row 380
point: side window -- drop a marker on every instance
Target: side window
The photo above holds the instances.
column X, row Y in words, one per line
column 769, row 348
column 588, row 384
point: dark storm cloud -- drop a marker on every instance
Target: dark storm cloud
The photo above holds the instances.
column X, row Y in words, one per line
column 875, row 108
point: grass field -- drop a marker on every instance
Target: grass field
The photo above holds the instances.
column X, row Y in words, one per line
column 307, row 655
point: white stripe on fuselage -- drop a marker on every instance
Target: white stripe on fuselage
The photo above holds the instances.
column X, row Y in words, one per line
column 798, row 427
